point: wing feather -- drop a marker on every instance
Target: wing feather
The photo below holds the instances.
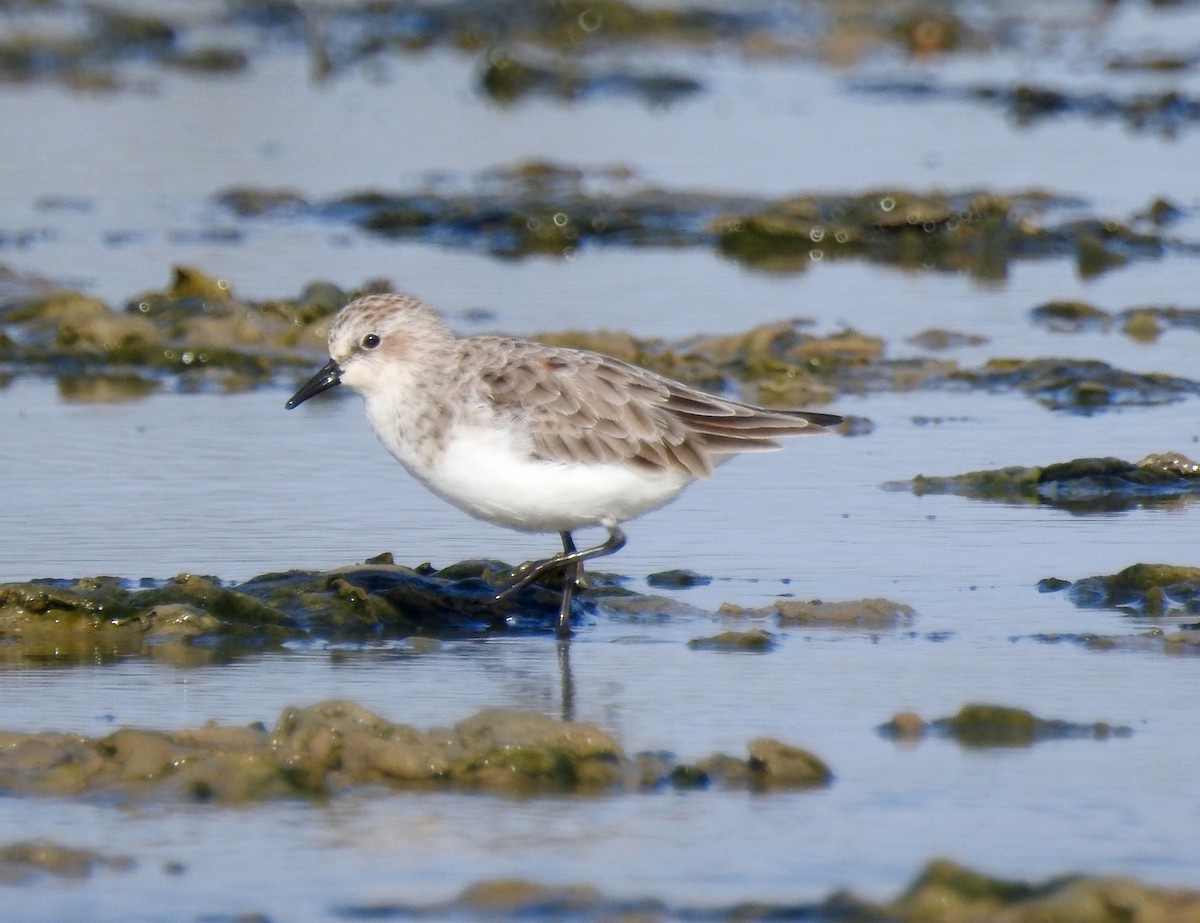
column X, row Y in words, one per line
column 579, row 406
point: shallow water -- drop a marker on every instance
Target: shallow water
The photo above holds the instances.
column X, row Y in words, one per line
column 233, row 486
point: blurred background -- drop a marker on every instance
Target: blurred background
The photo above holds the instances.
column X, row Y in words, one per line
column 927, row 196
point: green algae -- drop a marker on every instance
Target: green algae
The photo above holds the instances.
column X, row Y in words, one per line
column 1142, row 326
column 1144, row 323
column 1071, row 316
column 338, row 746
column 1082, row 485
column 194, row 619
column 973, row 232
column 678, row 578
column 544, row 209
column 535, row 209
column 939, row 339
column 979, row 725
column 508, row 78
column 103, row 619
column 1081, row 386
column 755, row 640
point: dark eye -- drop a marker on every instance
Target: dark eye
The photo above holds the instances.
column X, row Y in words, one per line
column 370, row 341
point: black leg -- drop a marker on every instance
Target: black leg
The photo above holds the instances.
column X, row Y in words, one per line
column 570, row 577
column 568, row 561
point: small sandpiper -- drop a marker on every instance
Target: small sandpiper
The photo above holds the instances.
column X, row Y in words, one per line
column 533, row 437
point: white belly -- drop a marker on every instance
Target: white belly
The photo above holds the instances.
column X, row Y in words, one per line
column 488, row 478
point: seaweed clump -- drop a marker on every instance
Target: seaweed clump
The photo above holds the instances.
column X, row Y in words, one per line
column 192, row 617
column 984, row 725
column 1140, row 589
column 195, row 332
column 1083, row 485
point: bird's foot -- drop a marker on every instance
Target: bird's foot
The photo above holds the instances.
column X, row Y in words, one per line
column 528, row 572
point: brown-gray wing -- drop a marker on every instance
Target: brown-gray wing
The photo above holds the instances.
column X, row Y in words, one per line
column 580, row 406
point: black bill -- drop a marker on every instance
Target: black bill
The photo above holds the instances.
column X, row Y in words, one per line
column 325, row 379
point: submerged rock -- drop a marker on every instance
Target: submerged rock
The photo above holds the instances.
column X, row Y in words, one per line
column 946, row 892
column 508, row 78
column 975, row 232
column 1165, row 112
column 514, row 898
column 1083, row 485
column 23, row 861
column 195, row 332
column 939, row 339
column 1141, row 589
column 874, row 613
column 756, row 640
column 191, row 618
column 1145, row 323
column 1083, row 386
column 777, row 765
column 538, row 209
column 1071, row 316
column 677, row 579
column 198, row 335
column 981, row 725
column 1184, row 641
column 943, row 892
column 335, row 746
column 106, row 617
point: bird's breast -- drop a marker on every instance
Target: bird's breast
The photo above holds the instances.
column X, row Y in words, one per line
column 489, row 473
